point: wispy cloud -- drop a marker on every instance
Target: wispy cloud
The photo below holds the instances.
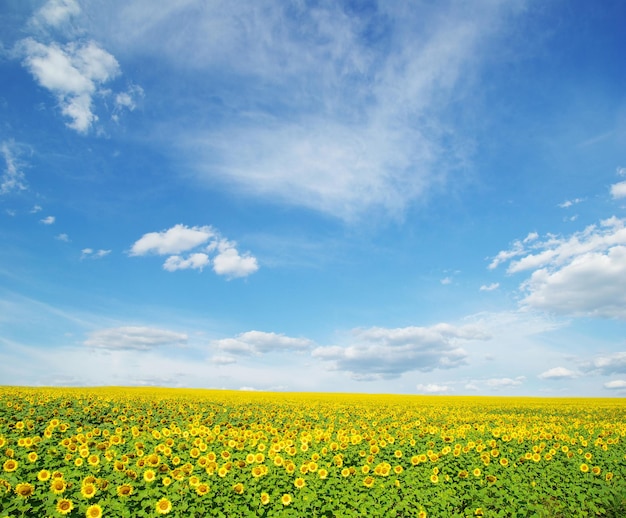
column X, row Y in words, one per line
column 334, row 108
column 134, row 337
column 93, row 254
column 490, row 287
column 13, row 178
column 568, row 203
column 48, row 220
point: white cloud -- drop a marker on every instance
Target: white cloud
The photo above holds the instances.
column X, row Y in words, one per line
column 195, row 261
column 432, row 388
column 490, row 287
column 127, row 101
column 73, row 72
column 581, row 275
column 505, row 382
column 258, row 342
column 134, row 337
column 93, row 254
column 13, row 178
column 382, row 353
column 364, row 124
column 618, row 190
column 56, row 12
column 568, row 203
column 615, row 384
column 558, row 373
column 608, row 364
column 63, row 237
column 223, row 359
column 231, row 264
column 446, row 280
column 49, row 220
column 180, row 238
column 36, row 209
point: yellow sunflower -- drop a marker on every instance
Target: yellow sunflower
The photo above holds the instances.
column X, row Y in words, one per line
column 163, row 506
column 24, row 489
column 94, row 511
column 64, row 506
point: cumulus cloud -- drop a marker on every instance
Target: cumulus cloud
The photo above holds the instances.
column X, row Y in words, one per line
column 581, row 275
column 63, row 237
column 607, row 364
column 230, row 263
column 49, row 220
column 195, row 261
column 205, row 240
column 13, row 178
column 383, row 353
column 74, row 73
column 179, row 238
column 490, row 287
column 134, row 337
column 256, row 343
column 558, row 373
column 618, row 190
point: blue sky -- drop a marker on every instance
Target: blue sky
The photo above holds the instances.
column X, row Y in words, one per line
column 404, row 197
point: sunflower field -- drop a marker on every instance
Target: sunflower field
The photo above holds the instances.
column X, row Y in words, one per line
column 138, row 452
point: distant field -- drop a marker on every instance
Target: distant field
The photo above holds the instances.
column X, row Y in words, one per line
column 135, row 452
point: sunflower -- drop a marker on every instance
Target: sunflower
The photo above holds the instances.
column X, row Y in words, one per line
column 322, row 473
column 10, row 465
column 94, row 511
column 57, row 486
column 299, row 483
column 368, row 481
column 88, row 490
column 202, row 489
column 24, row 489
column 265, row 498
column 238, row 488
column 43, row 475
column 286, row 499
column 32, row 456
column 163, row 506
column 476, row 472
column 93, row 460
column 584, row 468
column 64, row 506
column 124, row 490
column 434, row 478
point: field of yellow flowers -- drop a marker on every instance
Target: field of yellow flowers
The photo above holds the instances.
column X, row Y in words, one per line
column 138, row 452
